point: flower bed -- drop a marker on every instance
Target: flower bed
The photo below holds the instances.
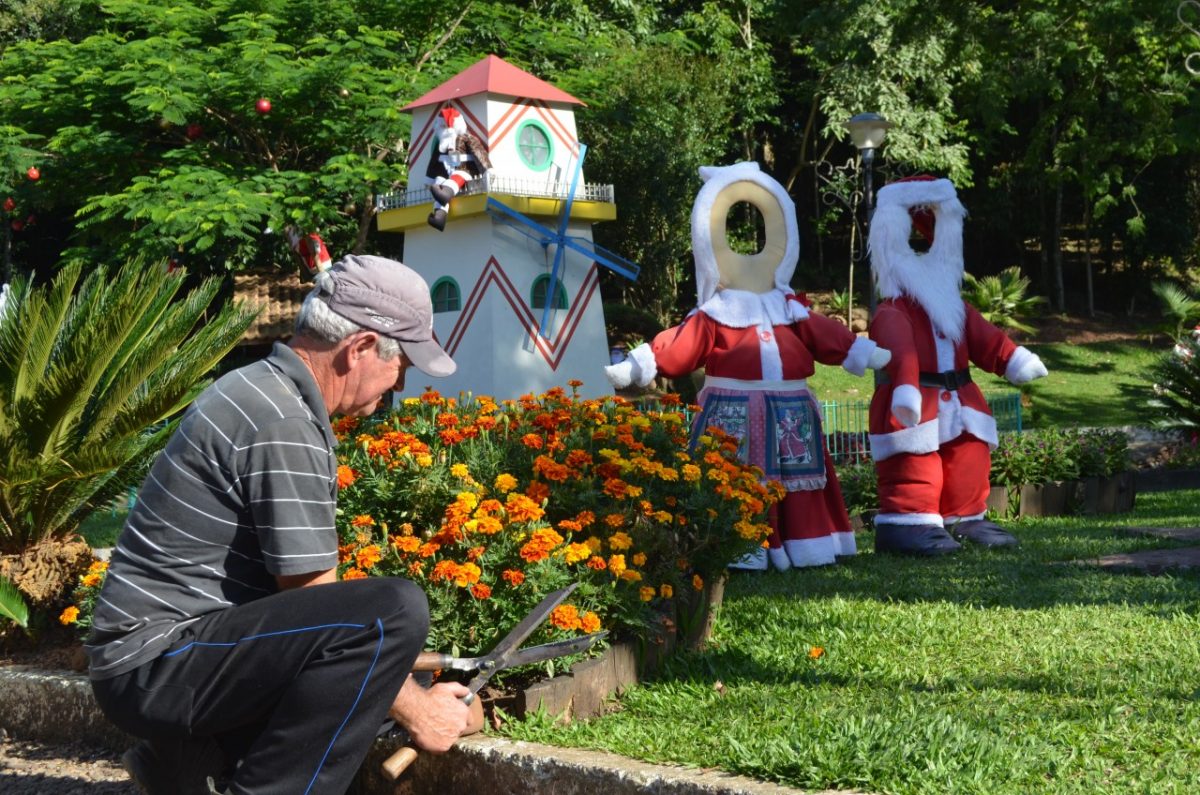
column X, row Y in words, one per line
column 1061, row 471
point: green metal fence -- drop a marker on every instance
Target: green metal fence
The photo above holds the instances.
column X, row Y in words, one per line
column 847, row 422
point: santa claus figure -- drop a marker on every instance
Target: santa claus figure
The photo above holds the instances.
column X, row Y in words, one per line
column 758, row 343
column 461, row 158
column 931, row 430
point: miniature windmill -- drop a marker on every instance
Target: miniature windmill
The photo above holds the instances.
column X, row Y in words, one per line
column 561, row 240
column 509, row 310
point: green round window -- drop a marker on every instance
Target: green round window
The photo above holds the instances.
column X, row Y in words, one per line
column 533, row 145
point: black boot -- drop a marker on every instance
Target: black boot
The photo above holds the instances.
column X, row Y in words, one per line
column 926, row 540
column 437, row 219
column 984, row 533
column 441, row 193
column 175, row 766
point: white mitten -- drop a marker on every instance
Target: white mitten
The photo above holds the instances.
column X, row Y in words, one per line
column 620, row 375
column 639, row 368
column 1024, row 366
column 879, row 359
column 906, row 405
column 446, row 139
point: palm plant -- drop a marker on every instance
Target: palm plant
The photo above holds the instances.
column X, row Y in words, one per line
column 1176, row 401
column 1179, row 309
column 1002, row 299
column 12, row 603
column 92, row 369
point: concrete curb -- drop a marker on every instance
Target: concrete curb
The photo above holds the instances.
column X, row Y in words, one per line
column 58, row 707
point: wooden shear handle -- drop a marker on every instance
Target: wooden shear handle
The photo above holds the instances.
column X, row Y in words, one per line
column 398, row 762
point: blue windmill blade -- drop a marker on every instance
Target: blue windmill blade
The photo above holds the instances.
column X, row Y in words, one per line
column 614, row 262
column 507, row 215
column 561, row 239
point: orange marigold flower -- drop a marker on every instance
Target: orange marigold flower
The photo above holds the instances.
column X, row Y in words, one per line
column 589, row 622
column 537, row 491
column 475, row 553
column 666, row 591
column 368, row 556
column 354, row 574
column 481, row 590
column 345, row 476
column 629, row 575
column 504, row 483
column 466, row 574
column 345, row 552
column 579, row 458
column 597, row 563
column 532, row 552
column 594, row 544
column 416, row 569
column 574, row 383
column 697, row 582
column 444, row 570
column 633, row 491
column 513, row 577
column 90, row 579
column 566, row 617
column 450, row 436
column 616, row 564
column 614, row 520
column 405, row 544
column 645, row 593
column 816, row 652
column 69, row 615
column 585, row 519
column 691, row 472
column 362, row 520
column 445, row 420
column 639, row 559
column 98, row 566
column 522, row 509
column 428, row 549
column 488, row 525
column 615, row 487
column 533, row 441
column 569, row 526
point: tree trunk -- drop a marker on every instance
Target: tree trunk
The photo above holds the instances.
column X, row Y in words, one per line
column 1087, row 256
column 1060, row 298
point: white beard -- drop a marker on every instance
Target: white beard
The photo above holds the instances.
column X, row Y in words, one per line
column 932, row 279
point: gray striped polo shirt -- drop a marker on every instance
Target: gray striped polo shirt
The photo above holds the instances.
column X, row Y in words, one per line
column 245, row 489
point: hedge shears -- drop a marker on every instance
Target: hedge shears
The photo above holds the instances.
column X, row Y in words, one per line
column 506, row 654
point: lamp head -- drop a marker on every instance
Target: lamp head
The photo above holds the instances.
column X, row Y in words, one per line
column 867, row 130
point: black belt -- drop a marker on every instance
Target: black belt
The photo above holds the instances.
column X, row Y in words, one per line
column 951, row 379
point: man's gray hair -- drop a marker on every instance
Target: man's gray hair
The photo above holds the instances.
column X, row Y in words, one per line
column 318, row 321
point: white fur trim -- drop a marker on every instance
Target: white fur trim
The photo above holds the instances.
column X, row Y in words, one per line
column 619, row 375
column 779, row 558
column 716, row 179
column 644, row 366
column 844, row 543
column 909, row 518
column 813, row 551
column 1024, row 366
column 742, row 309
column 797, row 311
column 879, row 358
column 979, row 424
column 920, row 439
column 906, row 405
column 951, row 520
column 860, row 354
column 768, row 353
column 754, row 561
column 932, row 279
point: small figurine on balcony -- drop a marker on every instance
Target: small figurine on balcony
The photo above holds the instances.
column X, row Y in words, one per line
column 461, row 158
column 757, row 343
column 931, row 430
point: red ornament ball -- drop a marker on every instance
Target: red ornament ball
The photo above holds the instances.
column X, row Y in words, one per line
column 263, row 106
column 9, row 205
column 33, row 174
column 193, row 131
column 18, row 225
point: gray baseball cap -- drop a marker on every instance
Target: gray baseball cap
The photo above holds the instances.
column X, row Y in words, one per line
column 391, row 298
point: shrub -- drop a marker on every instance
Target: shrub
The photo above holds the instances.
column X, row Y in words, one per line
column 1176, row 401
column 1002, row 299
column 859, row 485
column 1041, row 456
column 1179, row 309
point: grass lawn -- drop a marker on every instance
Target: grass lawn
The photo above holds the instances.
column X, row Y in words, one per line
column 987, row 672
column 1091, row 384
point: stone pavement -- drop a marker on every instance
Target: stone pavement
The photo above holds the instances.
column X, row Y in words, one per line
column 1155, row 561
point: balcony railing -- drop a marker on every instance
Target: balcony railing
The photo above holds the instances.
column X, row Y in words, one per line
column 512, row 186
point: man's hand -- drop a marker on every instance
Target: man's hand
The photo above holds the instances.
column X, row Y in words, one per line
column 436, row 717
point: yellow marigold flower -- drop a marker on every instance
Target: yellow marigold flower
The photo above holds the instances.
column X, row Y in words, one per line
column 98, row 566
column 467, row 499
column 666, row 591
column 665, row 517
column 691, row 473
column 669, row 474
column 645, row 593
column 629, row 575
column 467, row 574
column 460, row 471
column 69, row 615
column 816, row 652
column 609, row 453
column 89, row 580
column 577, row 552
column 504, row 483
column 634, row 491
column 425, row 460
column 639, row 559
column 697, row 582
column 362, row 520
column 590, row 622
column 594, row 544
column 616, row 564
column 620, row 541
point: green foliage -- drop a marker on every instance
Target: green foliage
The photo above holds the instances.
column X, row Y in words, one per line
column 1179, row 309
column 12, row 603
column 91, row 370
column 859, row 485
column 1176, row 377
column 1041, row 456
column 1003, row 299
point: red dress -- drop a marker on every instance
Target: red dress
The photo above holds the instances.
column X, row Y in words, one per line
column 755, row 389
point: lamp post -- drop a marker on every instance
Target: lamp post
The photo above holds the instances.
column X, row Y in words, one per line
column 867, row 132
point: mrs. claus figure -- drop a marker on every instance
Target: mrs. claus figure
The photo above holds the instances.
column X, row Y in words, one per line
column 931, row 430
column 757, row 343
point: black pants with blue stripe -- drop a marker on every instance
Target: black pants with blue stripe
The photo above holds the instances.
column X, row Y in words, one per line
column 296, row 684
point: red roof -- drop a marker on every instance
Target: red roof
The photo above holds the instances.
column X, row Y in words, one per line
column 493, row 75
